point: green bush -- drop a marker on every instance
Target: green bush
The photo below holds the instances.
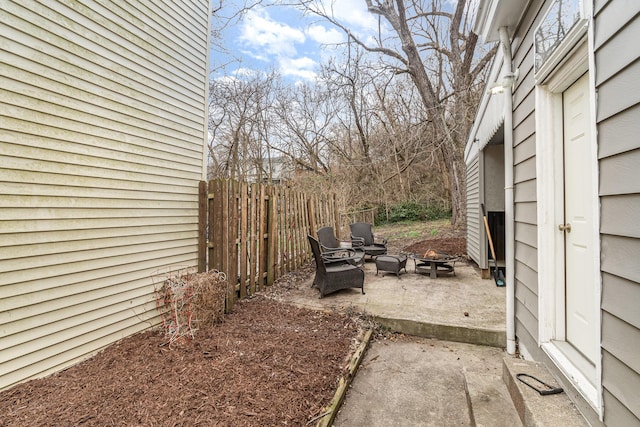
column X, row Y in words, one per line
column 412, row 211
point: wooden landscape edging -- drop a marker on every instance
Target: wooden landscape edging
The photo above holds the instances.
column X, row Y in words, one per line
column 329, row 415
column 255, row 233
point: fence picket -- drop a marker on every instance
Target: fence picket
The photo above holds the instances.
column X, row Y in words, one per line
column 255, row 233
column 233, row 240
column 287, row 217
column 216, row 226
column 225, row 252
column 262, row 234
column 253, row 240
column 272, row 238
column 244, row 237
column 298, row 220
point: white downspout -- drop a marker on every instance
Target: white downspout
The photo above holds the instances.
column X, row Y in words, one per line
column 508, row 194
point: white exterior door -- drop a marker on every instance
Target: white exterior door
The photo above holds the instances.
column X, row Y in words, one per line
column 567, row 220
column 581, row 317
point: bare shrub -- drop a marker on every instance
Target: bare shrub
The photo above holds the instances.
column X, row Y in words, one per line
column 186, row 300
column 208, row 301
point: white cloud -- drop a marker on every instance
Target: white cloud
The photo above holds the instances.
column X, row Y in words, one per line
column 226, row 79
column 352, row 13
column 299, row 67
column 275, row 40
column 321, row 34
column 255, row 55
column 261, row 32
column 245, row 72
column 238, row 74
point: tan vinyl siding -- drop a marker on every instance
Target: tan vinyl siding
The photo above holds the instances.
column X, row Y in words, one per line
column 525, row 150
column 523, row 334
column 621, row 133
column 614, row 17
column 621, row 381
column 618, row 121
column 528, row 299
column 525, row 186
column 474, row 222
column 617, row 413
column 526, row 213
column 525, row 170
column 525, row 191
column 526, row 317
column 618, row 254
column 622, row 298
column 101, row 152
column 618, row 87
column 524, row 127
column 527, row 255
column 609, row 61
column 618, row 174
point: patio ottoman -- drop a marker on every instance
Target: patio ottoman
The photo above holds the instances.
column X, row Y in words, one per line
column 391, row 263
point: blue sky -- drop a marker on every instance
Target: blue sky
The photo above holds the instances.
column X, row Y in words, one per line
column 281, row 38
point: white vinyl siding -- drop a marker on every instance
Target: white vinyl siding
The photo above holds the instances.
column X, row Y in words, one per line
column 102, row 130
column 474, row 215
column 618, row 120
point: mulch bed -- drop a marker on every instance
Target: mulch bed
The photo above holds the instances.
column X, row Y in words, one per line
column 267, row 364
column 456, row 246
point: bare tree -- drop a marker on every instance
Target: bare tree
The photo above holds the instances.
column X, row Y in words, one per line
column 304, row 117
column 436, row 48
column 239, row 125
column 224, row 14
column 380, row 139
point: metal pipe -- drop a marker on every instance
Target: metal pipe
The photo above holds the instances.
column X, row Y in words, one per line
column 508, row 193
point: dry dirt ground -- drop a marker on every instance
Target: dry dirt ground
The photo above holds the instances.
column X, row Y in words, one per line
column 267, row 364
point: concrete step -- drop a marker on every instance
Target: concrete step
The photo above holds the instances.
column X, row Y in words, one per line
column 534, row 409
column 444, row 332
column 489, row 402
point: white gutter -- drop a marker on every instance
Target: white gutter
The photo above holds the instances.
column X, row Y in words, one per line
column 508, row 193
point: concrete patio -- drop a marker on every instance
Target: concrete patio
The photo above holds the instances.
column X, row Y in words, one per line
column 463, row 308
column 454, row 371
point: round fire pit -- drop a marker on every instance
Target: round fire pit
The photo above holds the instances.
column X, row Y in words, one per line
column 434, row 263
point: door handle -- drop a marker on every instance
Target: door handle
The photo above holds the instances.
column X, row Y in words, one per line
column 565, row 227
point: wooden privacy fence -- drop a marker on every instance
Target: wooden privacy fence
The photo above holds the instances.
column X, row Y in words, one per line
column 255, row 233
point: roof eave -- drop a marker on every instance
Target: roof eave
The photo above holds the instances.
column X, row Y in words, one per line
column 493, row 14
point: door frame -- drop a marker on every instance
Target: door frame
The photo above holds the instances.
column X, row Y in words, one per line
column 550, row 213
